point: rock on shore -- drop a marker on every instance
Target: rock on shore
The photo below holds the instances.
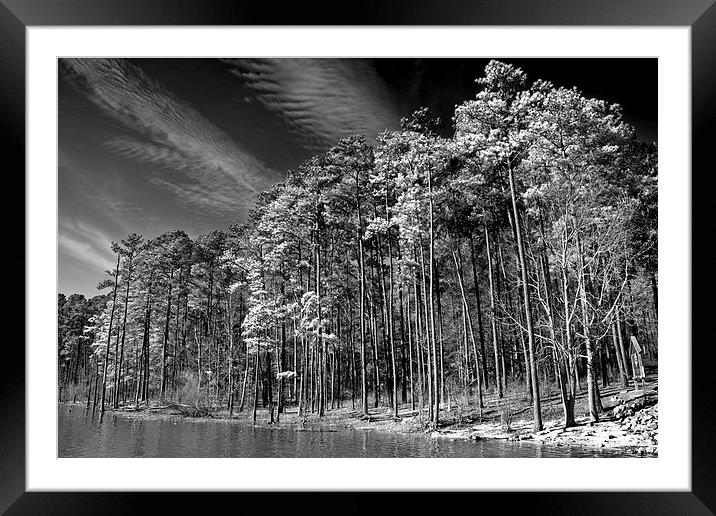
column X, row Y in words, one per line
column 630, row 426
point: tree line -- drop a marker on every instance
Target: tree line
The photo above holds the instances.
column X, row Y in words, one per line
column 516, row 253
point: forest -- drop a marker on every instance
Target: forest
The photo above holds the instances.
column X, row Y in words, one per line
column 508, row 253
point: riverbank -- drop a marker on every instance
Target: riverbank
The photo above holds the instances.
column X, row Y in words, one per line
column 636, row 434
column 629, row 423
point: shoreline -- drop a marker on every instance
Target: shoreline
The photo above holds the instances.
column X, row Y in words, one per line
column 630, row 427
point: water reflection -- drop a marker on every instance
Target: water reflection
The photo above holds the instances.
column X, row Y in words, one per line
column 82, row 435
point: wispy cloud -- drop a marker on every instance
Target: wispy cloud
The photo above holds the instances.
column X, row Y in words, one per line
column 170, row 133
column 320, row 100
column 86, row 244
column 84, row 186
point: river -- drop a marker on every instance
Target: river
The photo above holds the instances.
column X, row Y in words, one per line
column 80, row 434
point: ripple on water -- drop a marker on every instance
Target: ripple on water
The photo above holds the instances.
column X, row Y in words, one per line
column 82, row 435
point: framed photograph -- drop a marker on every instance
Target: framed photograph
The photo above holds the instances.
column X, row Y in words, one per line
column 444, row 248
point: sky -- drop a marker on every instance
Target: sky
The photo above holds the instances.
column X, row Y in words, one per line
column 150, row 145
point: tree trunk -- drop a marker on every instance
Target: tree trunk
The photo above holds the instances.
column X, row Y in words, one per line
column 109, row 336
column 536, row 406
column 163, row 388
column 390, row 329
column 480, row 329
column 617, row 351
column 591, row 383
column 256, row 388
column 361, row 304
column 124, row 330
column 269, row 385
column 466, row 314
column 230, row 333
column 429, row 342
column 498, row 381
column 418, row 346
column 431, row 260
column 403, row 364
column 246, row 375
column 321, row 344
column 622, row 346
column 560, row 367
column 410, row 352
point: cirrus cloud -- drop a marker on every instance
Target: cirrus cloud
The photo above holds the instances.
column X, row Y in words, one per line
column 320, row 100
column 217, row 173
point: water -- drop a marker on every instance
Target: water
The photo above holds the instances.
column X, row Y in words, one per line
column 81, row 435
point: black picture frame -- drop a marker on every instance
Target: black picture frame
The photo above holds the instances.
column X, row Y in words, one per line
column 17, row 15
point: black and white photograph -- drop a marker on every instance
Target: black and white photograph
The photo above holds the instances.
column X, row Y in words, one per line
column 357, row 257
